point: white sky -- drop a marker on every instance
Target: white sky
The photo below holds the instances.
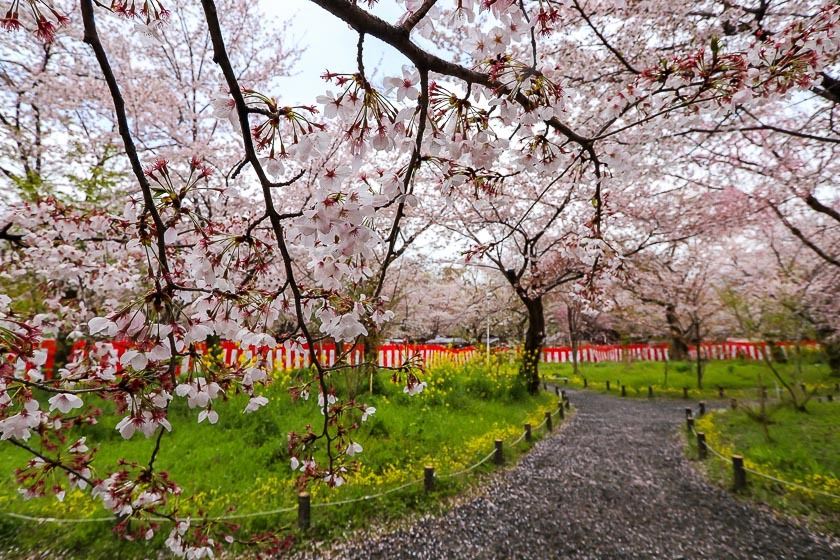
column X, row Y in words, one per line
column 330, row 44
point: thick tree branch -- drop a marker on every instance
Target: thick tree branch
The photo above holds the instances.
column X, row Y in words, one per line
column 801, row 236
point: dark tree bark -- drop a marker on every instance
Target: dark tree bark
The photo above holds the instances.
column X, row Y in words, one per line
column 574, row 324
column 678, row 348
column 534, row 337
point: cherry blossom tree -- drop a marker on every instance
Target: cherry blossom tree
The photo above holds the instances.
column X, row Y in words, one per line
column 528, row 114
column 53, row 143
column 519, row 229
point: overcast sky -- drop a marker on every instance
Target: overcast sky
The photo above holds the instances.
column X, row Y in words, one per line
column 330, row 44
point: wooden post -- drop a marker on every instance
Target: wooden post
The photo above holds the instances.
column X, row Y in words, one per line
column 623, row 390
column 528, row 437
column 565, row 381
column 720, row 392
column 557, row 390
column 738, row 472
column 702, row 406
column 568, row 403
column 429, row 478
column 548, row 420
column 650, row 391
column 685, row 392
column 688, row 412
column 499, row 456
column 585, row 383
column 608, row 385
column 689, row 424
column 702, row 450
column 304, row 519
column 830, row 398
column 733, row 404
column 563, row 395
column 561, row 410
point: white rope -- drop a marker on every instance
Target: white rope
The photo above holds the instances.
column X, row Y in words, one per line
column 365, row 498
column 57, row 519
column 517, row 440
column 792, row 484
column 468, row 469
column 245, row 515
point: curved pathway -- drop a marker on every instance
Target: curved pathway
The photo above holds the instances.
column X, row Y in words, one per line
column 612, row 484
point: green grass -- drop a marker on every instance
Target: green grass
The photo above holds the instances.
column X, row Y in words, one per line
column 242, row 461
column 802, row 448
column 738, row 378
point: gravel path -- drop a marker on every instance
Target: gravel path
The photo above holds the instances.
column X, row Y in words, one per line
column 612, row 484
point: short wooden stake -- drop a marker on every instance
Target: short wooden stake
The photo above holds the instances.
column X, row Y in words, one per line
column 720, row 392
column 738, row 472
column 689, row 424
column 563, row 395
column 733, row 404
column 557, row 390
column 685, row 392
column 499, row 455
column 623, row 390
column 568, row 404
column 304, row 519
column 561, row 410
column 650, row 391
column 702, row 450
column 565, row 381
column 548, row 420
column 585, row 383
column 830, row 398
column 429, row 478
column 528, row 436
column 688, row 412
column 608, row 385
column 702, row 406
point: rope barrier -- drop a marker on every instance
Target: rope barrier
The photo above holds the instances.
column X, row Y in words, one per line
column 540, row 425
column 57, row 519
column 280, row 510
column 246, row 515
column 769, row 477
column 517, row 440
column 365, row 498
column 468, row 469
column 792, row 484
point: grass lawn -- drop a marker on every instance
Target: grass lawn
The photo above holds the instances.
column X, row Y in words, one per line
column 738, row 378
column 802, row 448
column 242, row 462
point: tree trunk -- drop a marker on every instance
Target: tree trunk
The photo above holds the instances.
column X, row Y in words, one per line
column 370, row 359
column 534, row 336
column 699, row 364
column 679, row 349
column 572, row 316
column 832, row 352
